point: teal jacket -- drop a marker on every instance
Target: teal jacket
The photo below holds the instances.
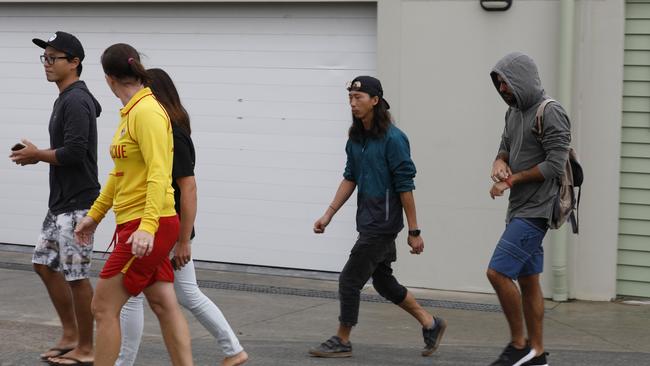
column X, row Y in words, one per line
column 381, row 168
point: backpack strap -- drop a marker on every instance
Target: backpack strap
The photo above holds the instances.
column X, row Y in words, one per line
column 576, row 216
column 538, row 129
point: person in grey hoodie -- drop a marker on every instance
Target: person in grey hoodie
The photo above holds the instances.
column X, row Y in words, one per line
column 529, row 166
column 61, row 262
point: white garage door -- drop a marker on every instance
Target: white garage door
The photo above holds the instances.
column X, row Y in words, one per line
column 264, row 85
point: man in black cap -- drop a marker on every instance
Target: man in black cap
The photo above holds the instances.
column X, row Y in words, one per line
column 378, row 164
column 61, row 262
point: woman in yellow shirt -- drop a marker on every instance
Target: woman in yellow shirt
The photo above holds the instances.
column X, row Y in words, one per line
column 139, row 191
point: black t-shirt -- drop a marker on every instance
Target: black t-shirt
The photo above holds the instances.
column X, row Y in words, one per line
column 184, row 160
column 73, row 134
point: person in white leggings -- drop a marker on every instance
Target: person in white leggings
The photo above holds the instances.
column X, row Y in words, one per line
column 190, row 297
column 187, row 291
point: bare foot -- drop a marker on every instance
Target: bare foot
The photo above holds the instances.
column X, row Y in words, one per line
column 58, row 350
column 75, row 354
column 236, row 360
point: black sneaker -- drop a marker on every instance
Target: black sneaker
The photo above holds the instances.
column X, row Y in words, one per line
column 538, row 361
column 433, row 336
column 512, row 356
column 332, row 348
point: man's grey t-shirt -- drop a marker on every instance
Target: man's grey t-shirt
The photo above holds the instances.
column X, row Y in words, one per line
column 525, row 151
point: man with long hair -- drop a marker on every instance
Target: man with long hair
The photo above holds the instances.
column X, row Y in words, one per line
column 378, row 164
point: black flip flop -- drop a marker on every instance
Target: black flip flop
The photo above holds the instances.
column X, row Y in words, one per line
column 76, row 362
column 62, row 351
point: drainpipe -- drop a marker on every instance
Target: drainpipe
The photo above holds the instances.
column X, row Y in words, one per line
column 560, row 238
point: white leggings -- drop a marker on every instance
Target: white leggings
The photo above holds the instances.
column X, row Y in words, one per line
column 190, row 297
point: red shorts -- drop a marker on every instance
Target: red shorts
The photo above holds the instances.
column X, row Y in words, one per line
column 140, row 273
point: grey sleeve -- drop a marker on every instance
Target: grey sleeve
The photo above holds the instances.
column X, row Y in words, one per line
column 504, row 146
column 555, row 142
column 75, row 132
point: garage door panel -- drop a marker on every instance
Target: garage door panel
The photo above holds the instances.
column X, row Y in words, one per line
column 274, row 159
column 223, row 25
column 28, row 103
column 29, row 222
column 198, row 11
column 264, row 86
column 153, row 39
column 261, row 142
column 291, row 229
column 264, row 59
column 236, row 247
column 262, row 93
column 24, row 205
column 18, row 175
column 29, row 71
column 187, row 75
column 275, row 110
column 255, row 77
column 242, row 207
column 211, row 59
column 286, row 176
column 262, row 192
column 271, row 126
column 265, row 175
column 283, row 236
column 293, row 192
column 305, row 248
column 17, row 126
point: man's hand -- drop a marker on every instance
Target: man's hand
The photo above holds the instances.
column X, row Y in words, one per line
column 498, row 189
column 83, row 232
column 27, row 155
column 182, row 254
column 416, row 243
column 141, row 243
column 500, row 171
column 321, row 224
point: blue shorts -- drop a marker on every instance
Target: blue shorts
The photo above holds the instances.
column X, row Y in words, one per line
column 519, row 252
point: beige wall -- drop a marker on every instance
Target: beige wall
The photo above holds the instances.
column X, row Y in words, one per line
column 434, row 58
column 597, row 106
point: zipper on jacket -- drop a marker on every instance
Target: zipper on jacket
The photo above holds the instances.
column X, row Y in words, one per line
column 387, row 204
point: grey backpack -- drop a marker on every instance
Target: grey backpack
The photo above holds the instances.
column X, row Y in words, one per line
column 567, row 201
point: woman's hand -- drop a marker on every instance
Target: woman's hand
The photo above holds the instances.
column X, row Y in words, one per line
column 141, row 243
column 84, row 231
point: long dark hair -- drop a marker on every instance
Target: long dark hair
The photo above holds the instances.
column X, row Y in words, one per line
column 122, row 62
column 381, row 121
column 163, row 88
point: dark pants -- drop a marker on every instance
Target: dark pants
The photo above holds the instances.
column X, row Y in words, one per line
column 371, row 256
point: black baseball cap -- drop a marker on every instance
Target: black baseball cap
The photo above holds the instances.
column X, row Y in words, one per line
column 368, row 85
column 64, row 42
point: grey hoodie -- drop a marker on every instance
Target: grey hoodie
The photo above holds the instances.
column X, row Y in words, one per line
column 531, row 199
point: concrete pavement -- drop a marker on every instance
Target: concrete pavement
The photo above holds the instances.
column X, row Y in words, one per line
column 280, row 314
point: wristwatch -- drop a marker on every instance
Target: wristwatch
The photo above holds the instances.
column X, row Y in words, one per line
column 415, row 232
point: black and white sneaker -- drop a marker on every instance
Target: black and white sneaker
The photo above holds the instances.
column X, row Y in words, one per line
column 433, row 336
column 538, row 361
column 332, row 348
column 512, row 356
